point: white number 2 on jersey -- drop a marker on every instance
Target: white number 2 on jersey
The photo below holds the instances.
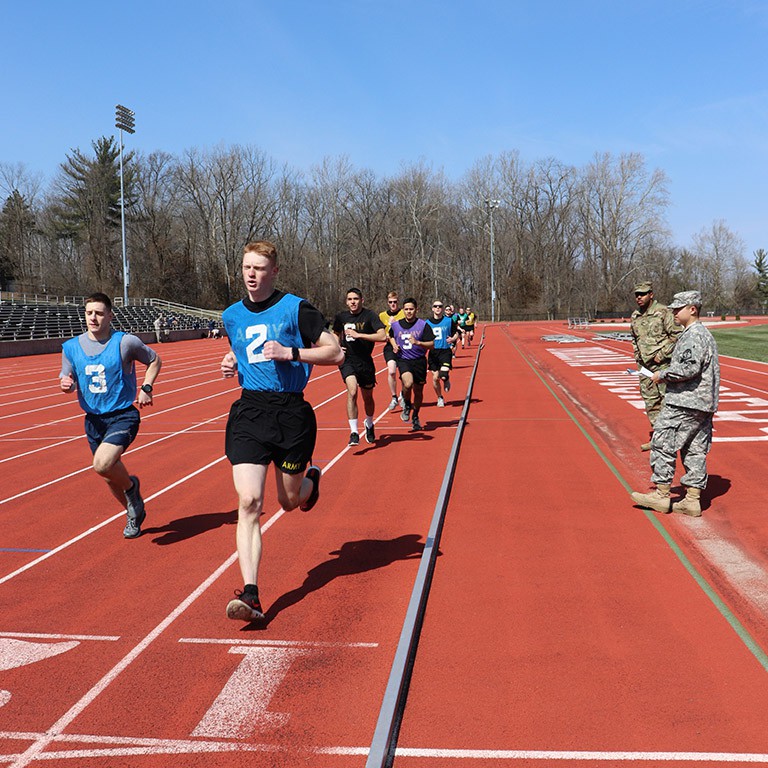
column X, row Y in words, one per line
column 98, row 383
column 258, row 334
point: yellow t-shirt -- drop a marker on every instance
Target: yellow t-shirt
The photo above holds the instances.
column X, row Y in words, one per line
column 388, row 319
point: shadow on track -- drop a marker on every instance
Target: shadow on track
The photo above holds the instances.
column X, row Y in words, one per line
column 352, row 557
column 186, row 527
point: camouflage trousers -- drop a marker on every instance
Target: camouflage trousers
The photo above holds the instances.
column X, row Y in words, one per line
column 685, row 430
column 652, row 394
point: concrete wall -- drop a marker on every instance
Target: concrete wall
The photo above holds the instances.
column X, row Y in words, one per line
column 49, row 346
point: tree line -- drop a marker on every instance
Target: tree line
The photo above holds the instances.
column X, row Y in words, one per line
column 566, row 240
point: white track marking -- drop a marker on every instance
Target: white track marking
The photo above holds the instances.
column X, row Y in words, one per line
column 274, row 643
column 138, row 448
column 243, row 702
column 43, row 636
column 116, row 746
column 41, row 743
column 100, row 525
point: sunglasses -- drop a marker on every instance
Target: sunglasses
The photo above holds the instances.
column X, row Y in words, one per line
column 644, row 293
column 437, row 306
column 392, row 302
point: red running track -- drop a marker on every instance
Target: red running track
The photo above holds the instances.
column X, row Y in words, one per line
column 559, row 622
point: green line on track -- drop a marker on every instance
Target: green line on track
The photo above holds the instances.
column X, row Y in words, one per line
column 716, row 600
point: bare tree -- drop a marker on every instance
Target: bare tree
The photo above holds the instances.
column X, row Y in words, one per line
column 621, row 211
column 718, row 249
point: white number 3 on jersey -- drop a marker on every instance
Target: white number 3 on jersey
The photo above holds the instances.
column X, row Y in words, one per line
column 98, row 383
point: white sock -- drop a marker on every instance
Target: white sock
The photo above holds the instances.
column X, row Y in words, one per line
column 353, row 425
column 368, row 421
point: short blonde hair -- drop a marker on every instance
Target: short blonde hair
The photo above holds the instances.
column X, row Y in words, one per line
column 263, row 248
column 392, row 295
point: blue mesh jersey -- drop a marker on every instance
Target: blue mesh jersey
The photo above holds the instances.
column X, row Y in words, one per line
column 442, row 330
column 248, row 332
column 102, row 384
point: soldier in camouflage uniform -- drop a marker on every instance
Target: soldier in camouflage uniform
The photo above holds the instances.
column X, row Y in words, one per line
column 685, row 421
column 654, row 334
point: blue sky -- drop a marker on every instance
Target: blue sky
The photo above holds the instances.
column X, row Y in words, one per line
column 393, row 82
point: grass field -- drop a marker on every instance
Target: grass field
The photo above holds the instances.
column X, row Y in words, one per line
column 750, row 343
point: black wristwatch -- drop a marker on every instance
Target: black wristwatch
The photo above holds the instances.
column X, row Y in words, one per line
column 146, row 388
column 294, row 353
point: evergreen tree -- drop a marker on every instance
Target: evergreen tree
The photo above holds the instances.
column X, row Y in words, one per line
column 761, row 267
column 17, row 223
column 87, row 210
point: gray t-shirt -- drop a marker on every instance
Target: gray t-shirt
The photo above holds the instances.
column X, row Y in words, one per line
column 132, row 348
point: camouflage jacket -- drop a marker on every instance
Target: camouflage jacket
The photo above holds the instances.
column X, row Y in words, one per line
column 693, row 376
column 654, row 333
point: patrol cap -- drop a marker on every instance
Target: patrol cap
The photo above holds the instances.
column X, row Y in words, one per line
column 685, row 299
column 643, row 287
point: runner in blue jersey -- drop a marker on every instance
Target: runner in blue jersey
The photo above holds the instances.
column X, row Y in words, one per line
column 440, row 358
column 275, row 340
column 100, row 366
column 410, row 338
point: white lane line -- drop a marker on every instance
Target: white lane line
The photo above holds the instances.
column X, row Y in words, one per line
column 134, row 450
column 117, row 746
column 103, row 523
column 43, row 636
column 275, row 643
column 34, row 750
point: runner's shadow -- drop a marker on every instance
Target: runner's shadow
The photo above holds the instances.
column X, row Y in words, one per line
column 383, row 440
column 352, row 557
column 186, row 527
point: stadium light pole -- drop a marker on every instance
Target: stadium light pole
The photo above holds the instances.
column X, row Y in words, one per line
column 490, row 205
column 125, row 122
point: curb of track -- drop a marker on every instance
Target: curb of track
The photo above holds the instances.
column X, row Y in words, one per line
column 381, row 752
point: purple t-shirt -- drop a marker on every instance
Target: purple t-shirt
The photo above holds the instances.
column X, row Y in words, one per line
column 404, row 333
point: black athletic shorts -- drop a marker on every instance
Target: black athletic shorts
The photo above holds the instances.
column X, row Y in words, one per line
column 389, row 353
column 362, row 369
column 271, row 427
column 116, row 428
column 417, row 367
column 438, row 358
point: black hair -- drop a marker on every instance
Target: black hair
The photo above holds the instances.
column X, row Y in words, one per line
column 102, row 298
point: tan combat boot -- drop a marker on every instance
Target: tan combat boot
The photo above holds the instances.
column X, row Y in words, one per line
column 691, row 504
column 657, row 499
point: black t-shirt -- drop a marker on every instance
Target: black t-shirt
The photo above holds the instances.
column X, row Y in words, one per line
column 311, row 320
column 365, row 321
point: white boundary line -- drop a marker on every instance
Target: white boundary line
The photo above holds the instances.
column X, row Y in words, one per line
column 41, row 743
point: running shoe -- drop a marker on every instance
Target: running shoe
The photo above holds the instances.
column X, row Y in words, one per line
column 134, row 507
column 401, row 400
column 370, row 435
column 417, row 424
column 354, row 439
column 447, row 385
column 406, row 414
column 313, row 474
column 245, row 606
column 440, row 402
column 392, row 405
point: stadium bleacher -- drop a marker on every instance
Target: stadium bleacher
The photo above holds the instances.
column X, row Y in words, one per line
column 21, row 320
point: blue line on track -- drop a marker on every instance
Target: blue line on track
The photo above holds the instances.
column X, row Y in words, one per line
column 19, row 549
